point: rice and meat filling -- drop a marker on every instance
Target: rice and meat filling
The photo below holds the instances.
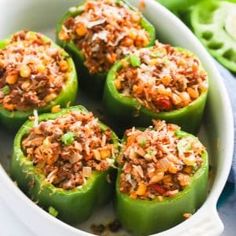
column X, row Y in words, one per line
column 32, row 72
column 105, row 31
column 162, row 78
column 158, row 162
column 66, row 150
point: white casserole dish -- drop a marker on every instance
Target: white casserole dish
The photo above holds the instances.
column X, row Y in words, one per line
column 216, row 133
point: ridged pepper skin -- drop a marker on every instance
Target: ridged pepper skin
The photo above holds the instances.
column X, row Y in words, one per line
column 93, row 83
column 128, row 111
column 14, row 119
column 145, row 217
column 213, row 22
column 73, row 206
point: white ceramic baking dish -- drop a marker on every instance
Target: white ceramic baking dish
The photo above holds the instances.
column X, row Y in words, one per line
column 216, row 132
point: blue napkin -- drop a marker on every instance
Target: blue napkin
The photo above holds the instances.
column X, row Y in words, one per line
column 230, row 83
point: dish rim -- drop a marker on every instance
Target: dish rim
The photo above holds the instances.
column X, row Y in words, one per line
column 209, row 205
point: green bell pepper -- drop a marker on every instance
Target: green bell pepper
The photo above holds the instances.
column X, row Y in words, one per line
column 72, row 206
column 14, row 119
column 145, row 217
column 128, row 111
column 214, row 24
column 178, row 5
column 93, row 83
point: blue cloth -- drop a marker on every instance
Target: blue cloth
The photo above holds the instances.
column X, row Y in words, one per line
column 230, row 83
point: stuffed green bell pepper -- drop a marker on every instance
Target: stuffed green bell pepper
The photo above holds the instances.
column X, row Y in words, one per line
column 64, row 162
column 214, row 23
column 98, row 33
column 178, row 5
column 162, row 178
column 161, row 82
column 35, row 74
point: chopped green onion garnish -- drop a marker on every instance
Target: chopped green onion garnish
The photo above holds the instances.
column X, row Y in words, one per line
column 165, row 60
column 143, row 142
column 183, row 145
column 67, row 138
column 156, row 54
column 5, row 90
column 135, row 61
column 180, row 134
column 78, row 9
column 151, row 153
column 118, row 2
column 52, row 211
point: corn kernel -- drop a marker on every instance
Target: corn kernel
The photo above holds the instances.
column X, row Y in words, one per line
column 124, row 63
column 133, row 195
column 176, row 99
column 63, row 35
column 153, row 62
column 160, row 198
column 25, row 85
column 141, row 189
column 40, row 68
column 11, row 79
column 81, row 29
column 145, row 41
column 117, row 84
column 1, row 64
column 63, row 65
column 187, row 215
column 185, row 97
column 132, row 34
column 8, row 106
column 50, row 97
column 166, row 80
column 157, row 177
column 30, row 36
column 56, row 109
column 96, row 154
column 184, row 180
column 128, row 42
column 172, row 168
column 188, row 170
column 25, row 71
column 193, row 93
column 105, row 153
column 135, row 17
column 111, row 57
column 167, row 179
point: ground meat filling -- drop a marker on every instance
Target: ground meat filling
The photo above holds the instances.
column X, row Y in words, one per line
column 162, row 78
column 69, row 148
column 105, row 31
column 158, row 162
column 32, row 72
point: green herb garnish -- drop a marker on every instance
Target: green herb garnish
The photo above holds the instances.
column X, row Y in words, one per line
column 5, row 90
column 135, row 61
column 156, row 54
column 52, row 211
column 118, row 2
column 183, row 145
column 68, row 138
column 180, row 134
column 165, row 60
column 143, row 142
